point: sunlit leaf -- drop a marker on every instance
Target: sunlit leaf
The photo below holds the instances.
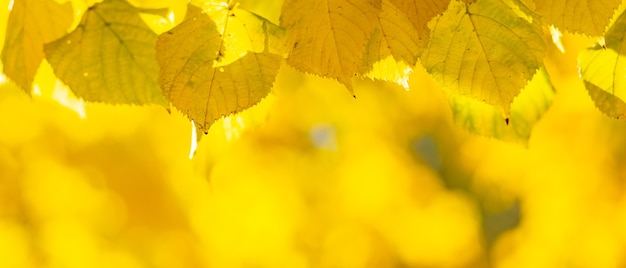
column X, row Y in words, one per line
column 328, row 37
column 197, row 86
column 243, row 31
column 110, row 57
column 487, row 50
column 580, row 16
column 604, row 70
column 32, row 24
column 263, row 35
column 526, row 110
column 420, row 12
column 393, row 47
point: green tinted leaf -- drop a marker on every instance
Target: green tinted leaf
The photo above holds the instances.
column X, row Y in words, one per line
column 487, row 50
column 194, row 82
column 32, row 24
column 526, row 110
column 393, row 48
column 110, row 57
column 328, row 37
column 580, row 16
column 604, row 70
column 606, row 102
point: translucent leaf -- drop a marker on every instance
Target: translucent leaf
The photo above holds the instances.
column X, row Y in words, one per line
column 420, row 12
column 604, row 70
column 393, row 47
column 581, row 16
column 526, row 110
column 487, row 50
column 109, row 57
column 32, row 24
column 328, row 37
column 197, row 86
column 263, row 35
column 243, row 31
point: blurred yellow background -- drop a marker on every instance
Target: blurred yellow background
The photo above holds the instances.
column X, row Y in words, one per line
column 310, row 177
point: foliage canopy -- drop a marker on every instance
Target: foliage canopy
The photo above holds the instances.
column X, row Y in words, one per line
column 220, row 59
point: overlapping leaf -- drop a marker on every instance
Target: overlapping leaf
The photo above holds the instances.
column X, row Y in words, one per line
column 262, row 34
column 243, row 31
column 328, row 37
column 526, row 110
column 487, row 50
column 195, row 78
column 109, row 57
column 393, row 47
column 420, row 12
column 32, row 24
column 580, row 16
column 603, row 68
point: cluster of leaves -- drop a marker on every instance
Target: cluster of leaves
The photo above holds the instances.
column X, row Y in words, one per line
column 487, row 54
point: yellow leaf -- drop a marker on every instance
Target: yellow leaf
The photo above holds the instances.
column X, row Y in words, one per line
column 32, row 24
column 579, row 16
column 243, row 31
column 393, row 47
column 487, row 50
column 264, row 36
column 328, row 37
column 420, row 12
column 603, row 68
column 608, row 103
column 526, row 110
column 197, row 86
column 109, row 57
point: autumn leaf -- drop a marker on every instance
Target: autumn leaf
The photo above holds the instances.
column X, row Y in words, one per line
column 420, row 12
column 487, row 50
column 243, row 31
column 328, row 37
column 608, row 103
column 603, row 68
column 32, row 24
column 200, row 88
column 393, row 47
column 526, row 110
column 261, row 34
column 579, row 16
column 109, row 57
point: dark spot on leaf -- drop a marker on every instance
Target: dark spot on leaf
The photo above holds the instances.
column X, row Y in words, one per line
column 506, row 120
